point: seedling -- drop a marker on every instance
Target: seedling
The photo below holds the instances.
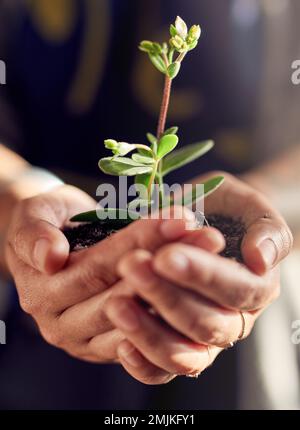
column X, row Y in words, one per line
column 150, row 163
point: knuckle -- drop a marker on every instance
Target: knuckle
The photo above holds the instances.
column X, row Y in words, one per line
column 53, row 337
column 210, row 331
column 29, row 305
column 245, row 298
column 152, row 339
column 261, row 297
column 92, row 279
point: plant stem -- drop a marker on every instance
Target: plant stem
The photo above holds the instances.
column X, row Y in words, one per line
column 154, row 171
column 162, row 124
column 164, row 107
column 181, row 57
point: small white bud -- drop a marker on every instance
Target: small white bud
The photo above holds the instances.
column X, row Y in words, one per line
column 181, row 27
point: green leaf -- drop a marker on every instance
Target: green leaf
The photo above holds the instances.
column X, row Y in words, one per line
column 191, row 197
column 141, row 159
column 171, row 55
column 143, row 152
column 154, row 148
column 173, row 31
column 123, row 215
column 122, row 166
column 186, row 155
column 171, row 130
column 209, row 187
column 173, row 69
column 193, row 45
column 151, row 138
column 166, row 144
column 142, row 179
column 158, row 62
column 138, row 203
column 146, row 46
column 212, row 185
column 157, row 48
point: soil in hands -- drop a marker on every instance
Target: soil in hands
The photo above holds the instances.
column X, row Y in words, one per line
column 234, row 231
column 86, row 235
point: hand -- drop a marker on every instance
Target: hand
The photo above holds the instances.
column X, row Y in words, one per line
column 66, row 294
column 199, row 294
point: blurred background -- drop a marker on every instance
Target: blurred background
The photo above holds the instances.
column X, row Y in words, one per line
column 76, row 77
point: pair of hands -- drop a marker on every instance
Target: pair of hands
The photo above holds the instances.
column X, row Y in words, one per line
column 92, row 303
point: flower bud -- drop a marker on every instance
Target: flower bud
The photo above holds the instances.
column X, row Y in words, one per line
column 177, row 43
column 181, row 27
column 118, row 148
column 194, row 33
column 146, row 46
column 110, row 144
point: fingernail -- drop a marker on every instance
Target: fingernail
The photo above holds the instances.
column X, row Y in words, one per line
column 128, row 353
column 40, row 253
column 123, row 316
column 269, row 252
column 178, row 262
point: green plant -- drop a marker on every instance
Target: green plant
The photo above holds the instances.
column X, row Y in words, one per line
column 151, row 162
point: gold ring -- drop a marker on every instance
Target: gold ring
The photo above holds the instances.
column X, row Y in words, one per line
column 242, row 334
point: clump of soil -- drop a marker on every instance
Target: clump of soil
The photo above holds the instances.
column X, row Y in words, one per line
column 233, row 231
column 86, row 235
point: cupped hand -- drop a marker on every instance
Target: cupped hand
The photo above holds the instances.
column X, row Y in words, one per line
column 198, row 295
column 66, row 293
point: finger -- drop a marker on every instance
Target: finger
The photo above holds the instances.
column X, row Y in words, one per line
column 35, row 235
column 154, row 340
column 89, row 272
column 87, row 319
column 139, row 368
column 190, row 314
column 221, row 280
column 81, row 322
column 147, row 234
column 268, row 241
column 103, row 347
column 207, row 238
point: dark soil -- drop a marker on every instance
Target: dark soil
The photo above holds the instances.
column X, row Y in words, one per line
column 86, row 235
column 233, row 231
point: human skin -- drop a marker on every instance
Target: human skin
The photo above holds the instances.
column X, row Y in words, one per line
column 81, row 307
column 198, row 293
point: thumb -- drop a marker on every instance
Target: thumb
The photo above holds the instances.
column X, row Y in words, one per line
column 34, row 235
column 266, row 243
